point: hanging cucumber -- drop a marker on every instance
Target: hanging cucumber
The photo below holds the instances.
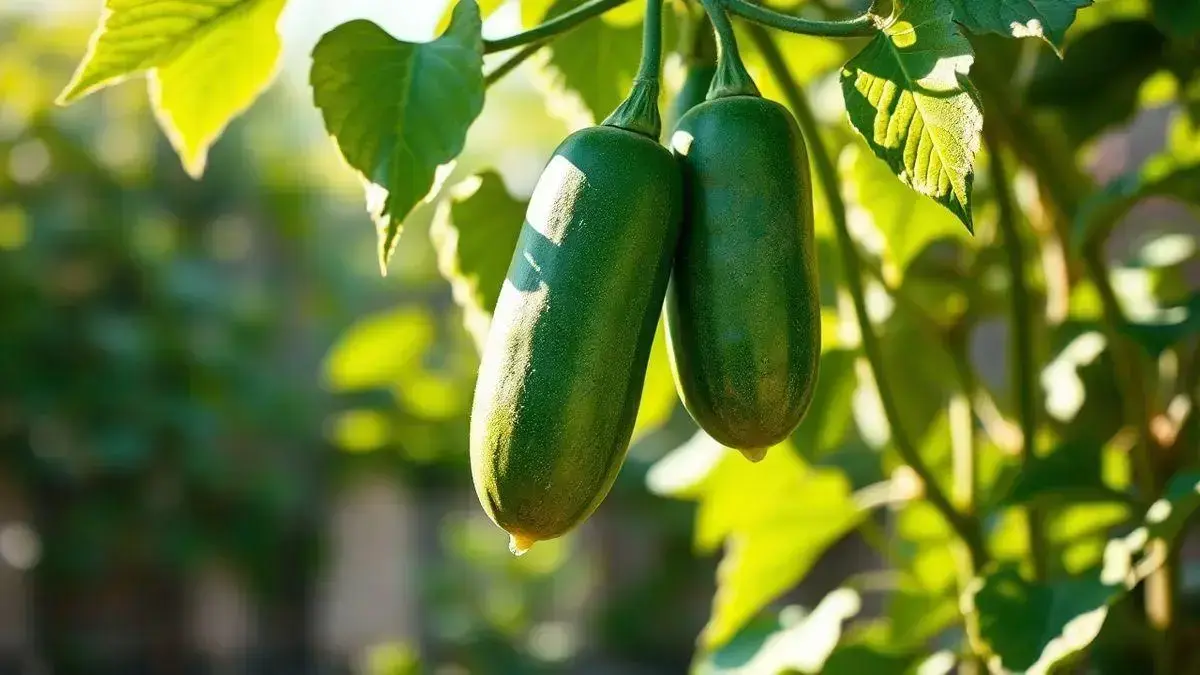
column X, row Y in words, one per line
column 743, row 313
column 562, row 371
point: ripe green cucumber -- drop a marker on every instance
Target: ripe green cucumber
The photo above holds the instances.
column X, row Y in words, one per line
column 743, row 311
column 562, row 371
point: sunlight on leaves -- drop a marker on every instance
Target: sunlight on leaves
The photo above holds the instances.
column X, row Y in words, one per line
column 475, row 232
column 908, row 96
column 683, row 472
column 803, row 642
column 907, row 221
column 486, row 9
column 207, row 61
column 399, row 111
column 378, row 350
column 1031, row 627
column 360, row 430
column 1061, row 381
column 776, row 518
column 1045, row 19
column 658, row 391
column 1071, row 472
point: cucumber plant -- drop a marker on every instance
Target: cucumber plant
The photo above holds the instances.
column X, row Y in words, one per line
column 1033, row 517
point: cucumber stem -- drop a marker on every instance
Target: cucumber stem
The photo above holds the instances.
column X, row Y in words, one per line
column 864, row 25
column 559, row 24
column 731, row 78
column 639, row 111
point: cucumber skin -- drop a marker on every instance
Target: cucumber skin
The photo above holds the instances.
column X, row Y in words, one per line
column 562, row 371
column 743, row 307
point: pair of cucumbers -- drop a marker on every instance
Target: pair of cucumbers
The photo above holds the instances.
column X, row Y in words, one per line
column 721, row 228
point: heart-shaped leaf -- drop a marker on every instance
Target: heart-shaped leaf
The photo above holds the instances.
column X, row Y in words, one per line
column 907, row 94
column 207, row 62
column 399, row 111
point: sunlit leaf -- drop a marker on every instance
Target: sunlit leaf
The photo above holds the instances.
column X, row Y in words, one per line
column 1078, row 533
column 397, row 110
column 1071, row 472
column 927, row 544
column 658, row 390
column 475, row 232
column 360, row 430
column 1031, row 627
column 908, row 96
column 486, row 8
column 861, row 658
column 829, row 417
column 908, row 222
column 378, row 350
column 777, row 518
column 803, row 642
column 1046, row 19
column 684, row 472
column 918, row 614
column 207, row 62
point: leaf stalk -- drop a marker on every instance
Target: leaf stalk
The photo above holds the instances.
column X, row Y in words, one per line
column 864, row 25
column 559, row 24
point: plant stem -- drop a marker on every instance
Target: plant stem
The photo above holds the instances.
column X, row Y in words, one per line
column 559, row 24
column 861, row 26
column 513, row 61
column 1066, row 186
column 966, row 527
column 1025, row 365
column 731, row 78
column 639, row 111
column 651, row 61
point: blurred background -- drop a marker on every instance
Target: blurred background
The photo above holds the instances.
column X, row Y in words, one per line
column 227, row 445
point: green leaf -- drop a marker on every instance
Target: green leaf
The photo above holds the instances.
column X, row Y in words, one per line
column 907, row 221
column 1078, row 534
column 378, row 350
column 777, row 518
column 908, row 95
column 397, row 110
column 1046, row 19
column 829, row 417
column 861, row 659
column 486, row 7
column 658, row 389
column 1031, row 627
column 1069, row 473
column 475, row 232
column 802, row 642
column 917, row 615
column 685, row 471
column 207, row 62
column 579, row 91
